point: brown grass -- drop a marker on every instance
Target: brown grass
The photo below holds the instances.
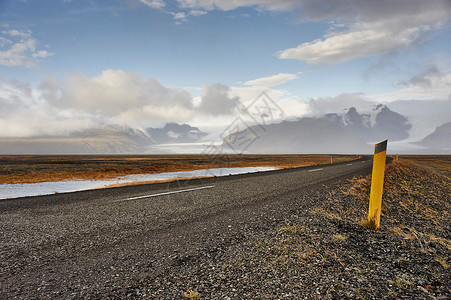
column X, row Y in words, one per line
column 414, row 188
column 42, row 168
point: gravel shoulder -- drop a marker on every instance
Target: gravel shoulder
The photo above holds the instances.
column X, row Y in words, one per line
column 296, row 244
column 318, row 249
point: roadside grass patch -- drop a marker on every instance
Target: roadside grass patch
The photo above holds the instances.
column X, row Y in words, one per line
column 410, row 192
column 191, row 295
column 339, row 238
column 442, row 263
column 293, row 229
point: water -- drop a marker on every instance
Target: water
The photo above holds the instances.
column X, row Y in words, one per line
column 48, row 188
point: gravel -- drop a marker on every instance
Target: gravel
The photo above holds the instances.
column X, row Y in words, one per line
column 300, row 244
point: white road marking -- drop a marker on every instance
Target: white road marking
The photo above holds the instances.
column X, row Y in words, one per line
column 316, row 170
column 349, row 164
column 166, row 193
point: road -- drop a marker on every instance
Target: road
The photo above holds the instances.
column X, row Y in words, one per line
column 69, row 245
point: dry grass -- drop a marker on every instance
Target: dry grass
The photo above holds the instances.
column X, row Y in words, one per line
column 294, row 229
column 437, row 164
column 42, row 168
column 416, row 188
column 191, row 295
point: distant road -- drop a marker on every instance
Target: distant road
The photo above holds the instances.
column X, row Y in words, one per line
column 64, row 245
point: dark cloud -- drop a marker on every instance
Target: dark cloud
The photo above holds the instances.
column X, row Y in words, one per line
column 424, row 80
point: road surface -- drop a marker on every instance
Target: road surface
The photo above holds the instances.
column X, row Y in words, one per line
column 92, row 242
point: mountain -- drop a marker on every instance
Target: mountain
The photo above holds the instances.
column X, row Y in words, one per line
column 439, row 139
column 104, row 140
column 307, row 135
column 175, row 133
column 379, row 124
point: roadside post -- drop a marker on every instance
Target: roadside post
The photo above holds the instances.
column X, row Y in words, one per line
column 331, row 160
column 377, row 183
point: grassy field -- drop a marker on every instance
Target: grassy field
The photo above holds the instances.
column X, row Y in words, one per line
column 42, row 168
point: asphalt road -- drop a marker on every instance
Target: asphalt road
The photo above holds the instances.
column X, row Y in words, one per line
column 93, row 242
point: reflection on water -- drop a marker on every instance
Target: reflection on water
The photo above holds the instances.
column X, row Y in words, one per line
column 47, row 188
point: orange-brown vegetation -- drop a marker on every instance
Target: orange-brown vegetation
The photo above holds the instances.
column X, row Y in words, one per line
column 42, row 168
column 415, row 186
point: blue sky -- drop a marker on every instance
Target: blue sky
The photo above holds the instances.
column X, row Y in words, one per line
column 78, row 64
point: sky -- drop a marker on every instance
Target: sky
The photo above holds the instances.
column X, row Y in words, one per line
column 71, row 65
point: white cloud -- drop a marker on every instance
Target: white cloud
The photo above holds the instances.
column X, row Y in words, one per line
column 17, row 33
column 360, row 28
column 19, row 48
column 371, row 31
column 24, row 113
column 124, row 98
column 4, row 41
column 431, row 85
column 290, row 105
column 180, row 16
column 272, row 80
column 197, row 12
column 343, row 46
column 321, row 106
column 41, row 54
column 157, row 4
column 233, row 4
column 79, row 102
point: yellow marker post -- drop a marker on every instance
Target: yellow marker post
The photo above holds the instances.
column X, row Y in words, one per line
column 397, row 158
column 377, row 183
column 331, row 160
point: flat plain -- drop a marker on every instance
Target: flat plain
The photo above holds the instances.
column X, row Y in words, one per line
column 42, row 168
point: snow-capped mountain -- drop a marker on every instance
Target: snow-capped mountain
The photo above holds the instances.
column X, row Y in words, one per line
column 378, row 124
column 307, row 135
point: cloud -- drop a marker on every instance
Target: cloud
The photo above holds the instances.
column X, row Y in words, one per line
column 41, row 54
column 321, row 106
column 157, row 4
column 360, row 28
column 79, row 102
column 272, row 80
column 290, row 105
column 275, row 5
column 181, row 17
column 23, row 113
column 430, row 85
column 122, row 97
column 216, row 100
column 367, row 28
column 356, row 43
column 19, row 48
column 197, row 12
column 423, row 79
